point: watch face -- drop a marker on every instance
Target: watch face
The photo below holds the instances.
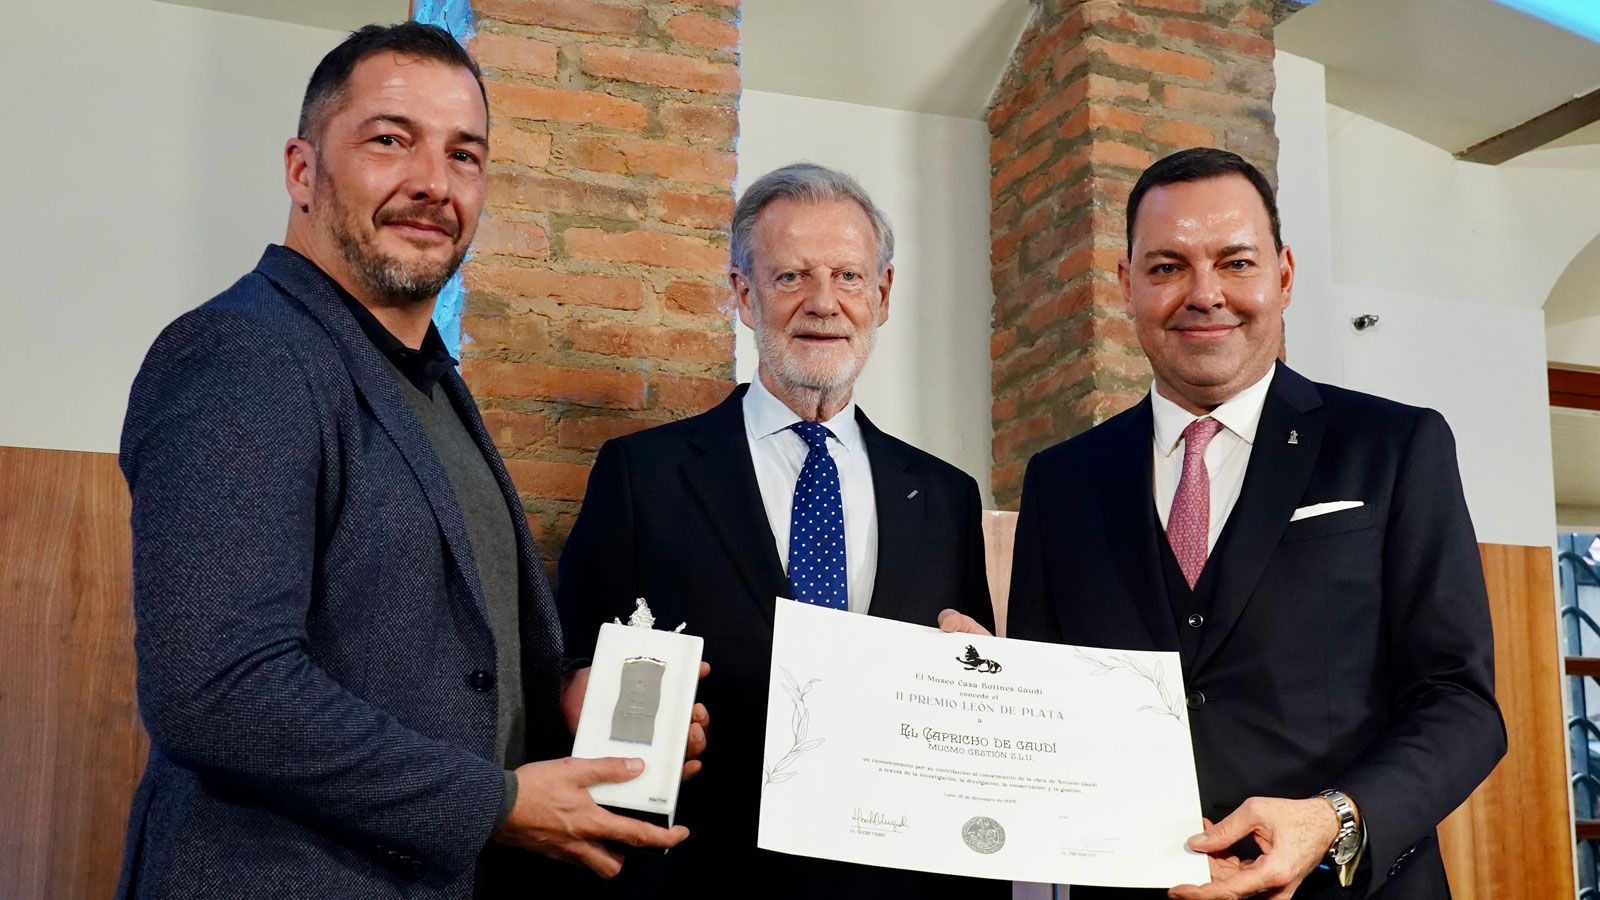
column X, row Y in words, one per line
column 1344, row 849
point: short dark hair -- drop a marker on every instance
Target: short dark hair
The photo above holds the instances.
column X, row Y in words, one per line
column 326, row 90
column 1202, row 164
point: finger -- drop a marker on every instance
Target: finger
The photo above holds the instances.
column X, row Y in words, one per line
column 705, row 669
column 700, row 714
column 602, row 860
column 959, row 623
column 697, row 742
column 1231, row 830
column 612, row 827
column 608, row 769
column 692, row 768
column 1247, row 883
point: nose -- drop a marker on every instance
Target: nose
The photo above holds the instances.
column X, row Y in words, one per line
column 1205, row 290
column 428, row 178
column 822, row 299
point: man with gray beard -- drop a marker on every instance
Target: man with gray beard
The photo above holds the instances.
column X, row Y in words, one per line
column 784, row 489
column 348, row 655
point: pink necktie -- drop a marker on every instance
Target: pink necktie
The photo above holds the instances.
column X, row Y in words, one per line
column 1189, row 523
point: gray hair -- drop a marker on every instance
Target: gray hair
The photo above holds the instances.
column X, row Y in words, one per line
column 810, row 183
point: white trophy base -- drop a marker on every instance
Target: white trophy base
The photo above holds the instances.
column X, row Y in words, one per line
column 607, row 727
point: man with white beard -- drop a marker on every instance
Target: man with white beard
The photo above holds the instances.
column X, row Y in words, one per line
column 784, row 489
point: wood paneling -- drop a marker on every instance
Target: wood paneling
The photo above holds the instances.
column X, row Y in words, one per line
column 1513, row 837
column 70, row 740
column 1526, row 796
column 1574, row 388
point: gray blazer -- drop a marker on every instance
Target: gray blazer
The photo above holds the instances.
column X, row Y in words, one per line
column 315, row 665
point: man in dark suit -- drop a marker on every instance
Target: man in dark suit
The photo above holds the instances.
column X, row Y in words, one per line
column 713, row 517
column 1306, row 549
column 348, row 653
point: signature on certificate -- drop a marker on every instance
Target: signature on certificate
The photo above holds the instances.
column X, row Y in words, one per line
column 873, row 820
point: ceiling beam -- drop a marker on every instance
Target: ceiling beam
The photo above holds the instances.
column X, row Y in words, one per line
column 1536, row 132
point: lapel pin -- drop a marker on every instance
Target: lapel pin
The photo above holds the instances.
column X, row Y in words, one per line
column 1294, row 437
column 910, row 495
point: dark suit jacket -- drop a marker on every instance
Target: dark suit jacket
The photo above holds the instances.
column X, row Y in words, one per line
column 673, row 514
column 315, row 662
column 1350, row 650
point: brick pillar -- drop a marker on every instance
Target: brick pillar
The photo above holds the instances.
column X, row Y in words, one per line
column 597, row 301
column 1098, row 90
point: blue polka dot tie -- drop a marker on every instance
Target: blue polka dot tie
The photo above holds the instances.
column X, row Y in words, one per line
column 816, row 526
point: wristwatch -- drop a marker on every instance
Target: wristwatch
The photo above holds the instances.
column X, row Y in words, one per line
column 1345, row 854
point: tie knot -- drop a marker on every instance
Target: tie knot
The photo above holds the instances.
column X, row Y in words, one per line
column 815, row 435
column 1199, row 434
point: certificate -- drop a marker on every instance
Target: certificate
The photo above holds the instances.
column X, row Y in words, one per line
column 897, row 745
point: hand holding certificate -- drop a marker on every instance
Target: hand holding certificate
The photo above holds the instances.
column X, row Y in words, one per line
column 897, row 745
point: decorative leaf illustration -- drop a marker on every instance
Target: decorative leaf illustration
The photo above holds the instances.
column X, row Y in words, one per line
column 1154, row 674
column 799, row 724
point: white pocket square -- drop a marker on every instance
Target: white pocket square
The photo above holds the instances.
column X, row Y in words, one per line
column 1322, row 509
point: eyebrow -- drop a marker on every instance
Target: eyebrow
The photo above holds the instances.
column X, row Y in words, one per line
column 1229, row 250
column 1164, row 254
column 461, row 137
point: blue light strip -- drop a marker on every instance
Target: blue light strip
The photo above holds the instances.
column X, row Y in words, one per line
column 1581, row 17
column 454, row 16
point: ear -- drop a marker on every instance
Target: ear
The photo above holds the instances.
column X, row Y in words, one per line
column 1125, row 281
column 1286, row 264
column 743, row 294
column 299, row 171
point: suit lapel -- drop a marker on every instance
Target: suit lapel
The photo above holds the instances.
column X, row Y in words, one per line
column 1274, row 483
column 723, row 479
column 901, row 505
column 1128, row 517
column 376, row 384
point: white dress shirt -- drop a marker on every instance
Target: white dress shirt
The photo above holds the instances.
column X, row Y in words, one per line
column 1226, row 457
column 779, row 453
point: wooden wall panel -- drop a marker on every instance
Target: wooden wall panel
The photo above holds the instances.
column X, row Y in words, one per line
column 70, row 739
column 1513, row 836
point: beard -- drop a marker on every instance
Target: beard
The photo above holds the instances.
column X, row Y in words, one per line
column 391, row 280
column 827, row 374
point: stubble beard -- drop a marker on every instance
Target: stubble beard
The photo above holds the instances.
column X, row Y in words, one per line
column 389, row 280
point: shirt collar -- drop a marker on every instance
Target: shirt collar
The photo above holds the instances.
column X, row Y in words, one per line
column 1240, row 414
column 422, row 367
column 766, row 415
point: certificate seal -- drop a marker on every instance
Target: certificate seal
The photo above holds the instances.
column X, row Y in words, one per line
column 983, row 834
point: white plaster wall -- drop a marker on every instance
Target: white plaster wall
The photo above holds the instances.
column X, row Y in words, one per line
column 1456, row 259
column 928, row 380
column 1575, row 343
column 1409, row 217
column 144, row 159
column 1305, row 208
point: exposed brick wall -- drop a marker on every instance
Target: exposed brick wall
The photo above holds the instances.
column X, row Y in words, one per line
column 597, row 301
column 1098, row 90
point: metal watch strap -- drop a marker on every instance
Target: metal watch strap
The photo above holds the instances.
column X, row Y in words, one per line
column 1345, row 809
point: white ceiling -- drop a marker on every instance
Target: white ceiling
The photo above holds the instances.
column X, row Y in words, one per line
column 1451, row 72
column 932, row 56
column 339, row 15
